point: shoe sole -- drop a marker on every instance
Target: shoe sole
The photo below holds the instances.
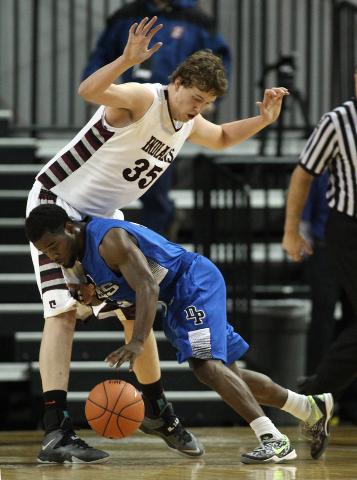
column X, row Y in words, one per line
column 173, row 449
column 291, row 456
column 74, row 460
column 329, row 404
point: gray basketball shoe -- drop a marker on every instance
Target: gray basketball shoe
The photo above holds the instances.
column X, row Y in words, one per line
column 270, row 450
column 64, row 446
column 168, row 427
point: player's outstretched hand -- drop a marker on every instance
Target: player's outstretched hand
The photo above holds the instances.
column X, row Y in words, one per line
column 83, row 292
column 270, row 107
column 295, row 245
column 127, row 353
column 137, row 47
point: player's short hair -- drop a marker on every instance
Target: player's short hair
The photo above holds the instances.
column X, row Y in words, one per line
column 204, row 70
column 45, row 218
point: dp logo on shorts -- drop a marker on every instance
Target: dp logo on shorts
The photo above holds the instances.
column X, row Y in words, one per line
column 192, row 313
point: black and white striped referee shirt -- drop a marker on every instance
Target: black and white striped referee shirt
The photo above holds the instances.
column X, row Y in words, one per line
column 333, row 146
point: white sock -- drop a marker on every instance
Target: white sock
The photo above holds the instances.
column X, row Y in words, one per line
column 298, row 405
column 264, row 425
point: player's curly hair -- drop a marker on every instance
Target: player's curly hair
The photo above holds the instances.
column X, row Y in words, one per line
column 204, row 70
column 45, row 218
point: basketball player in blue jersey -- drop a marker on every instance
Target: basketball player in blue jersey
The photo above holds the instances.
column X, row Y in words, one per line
column 136, row 133
column 129, row 263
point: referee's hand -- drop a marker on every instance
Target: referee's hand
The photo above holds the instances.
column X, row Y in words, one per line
column 295, row 245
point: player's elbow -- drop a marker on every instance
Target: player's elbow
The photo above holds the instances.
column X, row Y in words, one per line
column 154, row 289
column 88, row 90
column 84, row 91
column 149, row 288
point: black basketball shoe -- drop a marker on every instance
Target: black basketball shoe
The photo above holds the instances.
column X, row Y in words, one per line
column 168, row 427
column 62, row 445
column 317, row 426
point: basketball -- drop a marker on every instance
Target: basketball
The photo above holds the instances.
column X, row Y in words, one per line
column 114, row 409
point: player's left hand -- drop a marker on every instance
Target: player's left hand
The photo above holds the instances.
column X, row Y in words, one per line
column 84, row 292
column 137, row 48
column 271, row 106
column 127, row 353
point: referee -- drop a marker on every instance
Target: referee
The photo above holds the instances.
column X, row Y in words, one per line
column 333, row 147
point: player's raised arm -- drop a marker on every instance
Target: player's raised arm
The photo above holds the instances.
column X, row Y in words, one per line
column 219, row 137
column 99, row 87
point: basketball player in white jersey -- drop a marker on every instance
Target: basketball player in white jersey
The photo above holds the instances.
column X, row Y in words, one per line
column 130, row 141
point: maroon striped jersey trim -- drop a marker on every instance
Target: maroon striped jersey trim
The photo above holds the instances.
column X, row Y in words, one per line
column 75, row 157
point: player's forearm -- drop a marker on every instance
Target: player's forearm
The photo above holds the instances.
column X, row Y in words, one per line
column 146, row 306
column 236, row 132
column 100, row 81
column 296, row 198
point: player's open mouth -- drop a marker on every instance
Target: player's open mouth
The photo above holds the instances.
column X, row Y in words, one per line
column 190, row 116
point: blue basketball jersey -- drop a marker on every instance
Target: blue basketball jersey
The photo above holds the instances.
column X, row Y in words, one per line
column 191, row 288
column 166, row 260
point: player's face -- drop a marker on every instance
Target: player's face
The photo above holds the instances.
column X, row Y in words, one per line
column 60, row 248
column 190, row 102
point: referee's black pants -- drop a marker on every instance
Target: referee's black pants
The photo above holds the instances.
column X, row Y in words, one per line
column 338, row 368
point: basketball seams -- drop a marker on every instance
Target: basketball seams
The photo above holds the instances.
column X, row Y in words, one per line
column 106, row 395
column 97, row 405
column 101, row 406
column 131, row 419
column 129, row 405
column 111, row 413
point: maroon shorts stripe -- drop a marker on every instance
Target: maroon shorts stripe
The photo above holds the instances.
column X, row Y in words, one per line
column 54, row 287
column 52, row 274
column 44, row 260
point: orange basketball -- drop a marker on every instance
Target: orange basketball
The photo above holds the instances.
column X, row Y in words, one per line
column 114, row 409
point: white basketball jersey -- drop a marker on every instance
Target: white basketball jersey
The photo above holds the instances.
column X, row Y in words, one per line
column 104, row 168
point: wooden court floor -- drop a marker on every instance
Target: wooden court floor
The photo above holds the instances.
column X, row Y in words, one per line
column 144, row 457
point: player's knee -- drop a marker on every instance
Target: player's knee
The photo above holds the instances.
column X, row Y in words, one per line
column 266, row 385
column 206, row 371
column 67, row 320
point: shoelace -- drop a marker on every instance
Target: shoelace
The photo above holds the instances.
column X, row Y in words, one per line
column 67, row 438
column 178, row 429
column 259, row 447
column 262, row 444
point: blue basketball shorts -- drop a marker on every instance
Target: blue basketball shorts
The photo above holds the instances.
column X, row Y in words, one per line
column 195, row 321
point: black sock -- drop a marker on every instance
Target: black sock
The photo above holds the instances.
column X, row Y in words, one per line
column 154, row 397
column 53, row 419
column 55, row 399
